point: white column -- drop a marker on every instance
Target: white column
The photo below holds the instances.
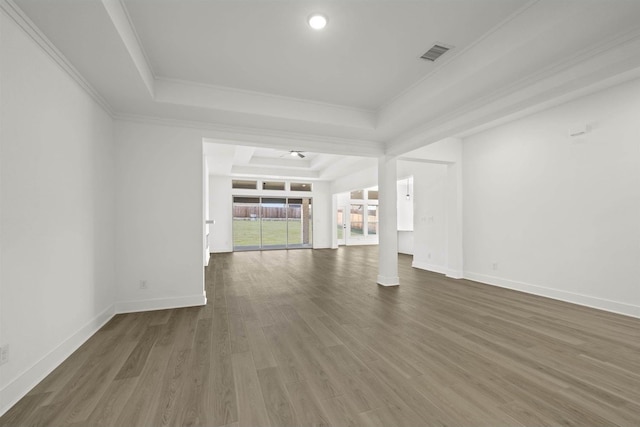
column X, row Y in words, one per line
column 388, row 222
column 454, row 220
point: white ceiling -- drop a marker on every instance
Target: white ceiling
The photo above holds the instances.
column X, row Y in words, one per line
column 368, row 54
column 243, row 161
column 251, row 72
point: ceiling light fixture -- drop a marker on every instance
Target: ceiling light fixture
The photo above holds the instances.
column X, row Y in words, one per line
column 295, row 153
column 317, row 21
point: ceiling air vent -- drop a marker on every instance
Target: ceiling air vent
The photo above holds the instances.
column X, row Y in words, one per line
column 435, row 52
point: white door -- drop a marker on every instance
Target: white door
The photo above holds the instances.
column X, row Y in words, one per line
column 341, row 226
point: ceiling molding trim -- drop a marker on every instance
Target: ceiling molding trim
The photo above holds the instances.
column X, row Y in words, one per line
column 193, row 94
column 267, row 138
column 14, row 12
column 611, row 62
column 122, row 22
column 456, row 54
column 429, row 161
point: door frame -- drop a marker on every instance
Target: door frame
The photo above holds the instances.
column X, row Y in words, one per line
column 343, row 241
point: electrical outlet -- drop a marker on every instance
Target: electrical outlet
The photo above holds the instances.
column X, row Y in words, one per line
column 144, row 284
column 494, row 265
column 4, row 354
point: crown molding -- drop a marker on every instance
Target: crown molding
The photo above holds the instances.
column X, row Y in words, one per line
column 267, row 138
column 22, row 20
column 195, row 94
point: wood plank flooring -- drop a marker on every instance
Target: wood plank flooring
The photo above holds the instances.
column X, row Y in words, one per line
column 306, row 338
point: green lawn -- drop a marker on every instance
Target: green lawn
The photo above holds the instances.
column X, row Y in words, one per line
column 247, row 233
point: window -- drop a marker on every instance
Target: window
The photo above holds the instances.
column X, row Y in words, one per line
column 357, row 195
column 357, row 221
column 363, row 214
column 243, row 184
column 273, row 185
column 372, row 220
column 300, row 186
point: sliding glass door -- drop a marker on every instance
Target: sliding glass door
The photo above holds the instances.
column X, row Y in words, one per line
column 272, row 223
column 299, row 228
column 246, row 223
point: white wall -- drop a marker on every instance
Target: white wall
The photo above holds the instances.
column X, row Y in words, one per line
column 220, row 211
column 448, row 150
column 405, row 205
column 205, row 214
column 429, row 198
column 363, row 178
column 405, row 215
column 159, row 217
column 405, row 242
column 559, row 216
column 323, row 215
column 58, row 220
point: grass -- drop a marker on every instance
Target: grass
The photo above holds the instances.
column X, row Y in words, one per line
column 247, row 233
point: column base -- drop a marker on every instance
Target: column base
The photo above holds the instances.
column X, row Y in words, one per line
column 388, row 281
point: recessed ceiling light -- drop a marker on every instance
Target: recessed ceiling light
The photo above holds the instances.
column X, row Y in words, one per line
column 317, row 21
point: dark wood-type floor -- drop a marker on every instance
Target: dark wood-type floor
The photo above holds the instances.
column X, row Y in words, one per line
column 296, row 338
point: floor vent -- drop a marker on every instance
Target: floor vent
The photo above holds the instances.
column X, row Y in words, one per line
column 435, row 52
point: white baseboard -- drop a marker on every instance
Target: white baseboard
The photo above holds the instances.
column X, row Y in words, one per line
column 388, row 281
column 455, row 274
column 580, row 299
column 363, row 242
column 160, row 303
column 24, row 382
column 429, row 267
